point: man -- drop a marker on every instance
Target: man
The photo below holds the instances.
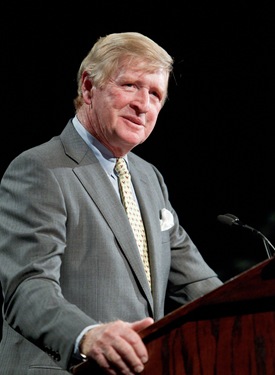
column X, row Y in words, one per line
column 73, row 280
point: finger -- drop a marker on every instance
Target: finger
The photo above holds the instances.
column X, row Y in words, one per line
column 112, row 363
column 124, row 350
column 117, row 346
column 141, row 324
column 132, row 352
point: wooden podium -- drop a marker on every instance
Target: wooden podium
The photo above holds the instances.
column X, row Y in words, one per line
column 229, row 331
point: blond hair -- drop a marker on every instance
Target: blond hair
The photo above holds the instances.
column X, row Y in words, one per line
column 108, row 52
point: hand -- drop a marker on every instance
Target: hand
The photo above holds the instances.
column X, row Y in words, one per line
column 117, row 346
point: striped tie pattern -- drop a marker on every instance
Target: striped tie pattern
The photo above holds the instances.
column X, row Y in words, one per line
column 133, row 213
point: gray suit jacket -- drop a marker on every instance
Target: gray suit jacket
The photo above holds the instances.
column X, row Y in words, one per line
column 68, row 257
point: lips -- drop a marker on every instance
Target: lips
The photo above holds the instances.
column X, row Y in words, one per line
column 134, row 120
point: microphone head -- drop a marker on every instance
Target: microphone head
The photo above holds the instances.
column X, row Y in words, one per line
column 232, row 216
column 229, row 219
column 225, row 219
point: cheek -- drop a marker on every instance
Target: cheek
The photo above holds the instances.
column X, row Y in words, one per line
column 151, row 118
column 103, row 107
column 116, row 99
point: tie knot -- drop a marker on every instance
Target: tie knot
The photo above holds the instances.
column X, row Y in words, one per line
column 121, row 167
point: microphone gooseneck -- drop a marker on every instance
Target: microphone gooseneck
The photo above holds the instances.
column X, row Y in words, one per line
column 230, row 219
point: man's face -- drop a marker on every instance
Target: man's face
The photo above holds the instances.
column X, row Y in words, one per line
column 125, row 110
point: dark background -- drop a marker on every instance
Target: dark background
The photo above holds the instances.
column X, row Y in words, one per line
column 214, row 138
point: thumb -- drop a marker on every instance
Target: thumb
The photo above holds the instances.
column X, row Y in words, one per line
column 141, row 324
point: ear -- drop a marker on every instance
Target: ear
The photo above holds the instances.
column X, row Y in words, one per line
column 87, row 85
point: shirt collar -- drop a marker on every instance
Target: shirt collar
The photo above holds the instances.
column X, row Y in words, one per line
column 105, row 156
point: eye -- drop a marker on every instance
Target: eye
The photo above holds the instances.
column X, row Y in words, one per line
column 156, row 94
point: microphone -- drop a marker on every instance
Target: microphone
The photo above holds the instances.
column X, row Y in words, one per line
column 230, row 219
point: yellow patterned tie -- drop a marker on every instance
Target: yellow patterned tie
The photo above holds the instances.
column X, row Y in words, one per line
column 133, row 213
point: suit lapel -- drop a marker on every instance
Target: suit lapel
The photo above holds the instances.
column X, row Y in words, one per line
column 88, row 171
column 148, row 202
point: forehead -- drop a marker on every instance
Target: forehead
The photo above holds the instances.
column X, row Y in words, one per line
column 143, row 72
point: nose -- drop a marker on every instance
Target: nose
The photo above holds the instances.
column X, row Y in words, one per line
column 141, row 100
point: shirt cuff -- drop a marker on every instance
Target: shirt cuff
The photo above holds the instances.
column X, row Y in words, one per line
column 77, row 355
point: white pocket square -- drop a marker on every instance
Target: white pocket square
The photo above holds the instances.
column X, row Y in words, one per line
column 167, row 220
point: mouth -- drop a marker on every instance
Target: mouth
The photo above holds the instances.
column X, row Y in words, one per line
column 134, row 120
